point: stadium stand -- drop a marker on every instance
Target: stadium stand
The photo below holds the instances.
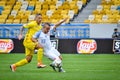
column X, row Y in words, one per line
column 107, row 12
column 20, row 11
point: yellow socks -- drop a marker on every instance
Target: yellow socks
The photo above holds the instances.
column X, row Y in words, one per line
column 40, row 55
column 21, row 63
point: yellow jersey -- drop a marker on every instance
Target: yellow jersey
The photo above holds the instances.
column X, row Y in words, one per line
column 33, row 27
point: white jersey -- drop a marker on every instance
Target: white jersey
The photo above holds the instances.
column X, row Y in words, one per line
column 44, row 39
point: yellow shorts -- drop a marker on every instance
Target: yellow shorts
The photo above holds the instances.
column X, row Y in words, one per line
column 30, row 45
column 28, row 52
column 29, row 48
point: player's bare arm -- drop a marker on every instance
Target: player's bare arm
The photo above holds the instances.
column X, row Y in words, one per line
column 21, row 31
column 60, row 22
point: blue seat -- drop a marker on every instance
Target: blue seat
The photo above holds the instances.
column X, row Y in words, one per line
column 118, row 8
column 1, row 7
column 31, row 8
column 0, row 12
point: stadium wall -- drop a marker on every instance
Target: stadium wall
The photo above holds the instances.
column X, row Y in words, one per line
column 70, row 34
column 71, row 31
column 70, row 46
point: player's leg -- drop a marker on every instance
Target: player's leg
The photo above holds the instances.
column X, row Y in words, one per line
column 57, row 53
column 52, row 57
column 29, row 54
column 39, row 57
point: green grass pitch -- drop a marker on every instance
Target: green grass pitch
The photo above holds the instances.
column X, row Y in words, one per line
column 78, row 67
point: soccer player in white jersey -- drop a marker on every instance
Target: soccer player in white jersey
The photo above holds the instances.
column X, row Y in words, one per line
column 43, row 38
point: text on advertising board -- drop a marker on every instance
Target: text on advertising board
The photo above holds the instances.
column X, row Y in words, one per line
column 86, row 46
column 6, row 45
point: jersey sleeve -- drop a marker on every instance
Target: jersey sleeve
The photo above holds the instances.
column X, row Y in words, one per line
column 37, row 34
column 28, row 25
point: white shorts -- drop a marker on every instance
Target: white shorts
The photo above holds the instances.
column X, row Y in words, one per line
column 52, row 54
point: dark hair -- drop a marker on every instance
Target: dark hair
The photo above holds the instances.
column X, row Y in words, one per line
column 46, row 23
column 115, row 29
column 38, row 14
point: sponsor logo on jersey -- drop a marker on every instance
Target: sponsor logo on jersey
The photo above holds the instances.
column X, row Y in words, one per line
column 6, row 45
column 86, row 46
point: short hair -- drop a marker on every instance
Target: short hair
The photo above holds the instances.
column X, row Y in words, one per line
column 115, row 29
column 46, row 23
column 38, row 14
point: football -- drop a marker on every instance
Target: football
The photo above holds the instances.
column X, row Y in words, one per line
column 57, row 63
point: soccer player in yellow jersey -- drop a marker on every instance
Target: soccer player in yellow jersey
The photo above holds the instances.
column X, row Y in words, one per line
column 30, row 46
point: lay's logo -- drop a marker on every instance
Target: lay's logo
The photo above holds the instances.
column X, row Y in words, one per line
column 86, row 46
column 6, row 45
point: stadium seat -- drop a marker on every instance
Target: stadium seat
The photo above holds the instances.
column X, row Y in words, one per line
column 25, row 3
column 31, row 3
column 6, row 12
column 118, row 21
column 43, row 12
column 87, row 21
column 75, row 8
column 117, row 17
column 31, row 18
column 16, row 7
column 2, row 21
column 24, row 7
column 35, row 12
column 18, row 17
column 95, row 12
column 16, row 21
column 118, row 8
column 64, row 12
column 53, row 2
column 116, row 2
column 41, row 1
column 45, row 7
column 49, row 13
column 52, row 7
column 38, row 2
column 24, row 17
column 99, row 8
column 31, row 8
column 98, row 17
column 10, row 2
column 21, row 12
column 106, row 7
column 23, row 21
column 71, row 14
column 113, row 7
column 1, row 7
column 91, row 17
column 9, row 21
column 79, row 4
column 84, row 2
column 2, row 3
column 108, row 12
column 59, row 3
column 19, row 3
column 8, row 7
column 104, row 19
column 10, row 17
column 115, row 12
column 27, row 13
column 14, row 13
column 3, row 16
